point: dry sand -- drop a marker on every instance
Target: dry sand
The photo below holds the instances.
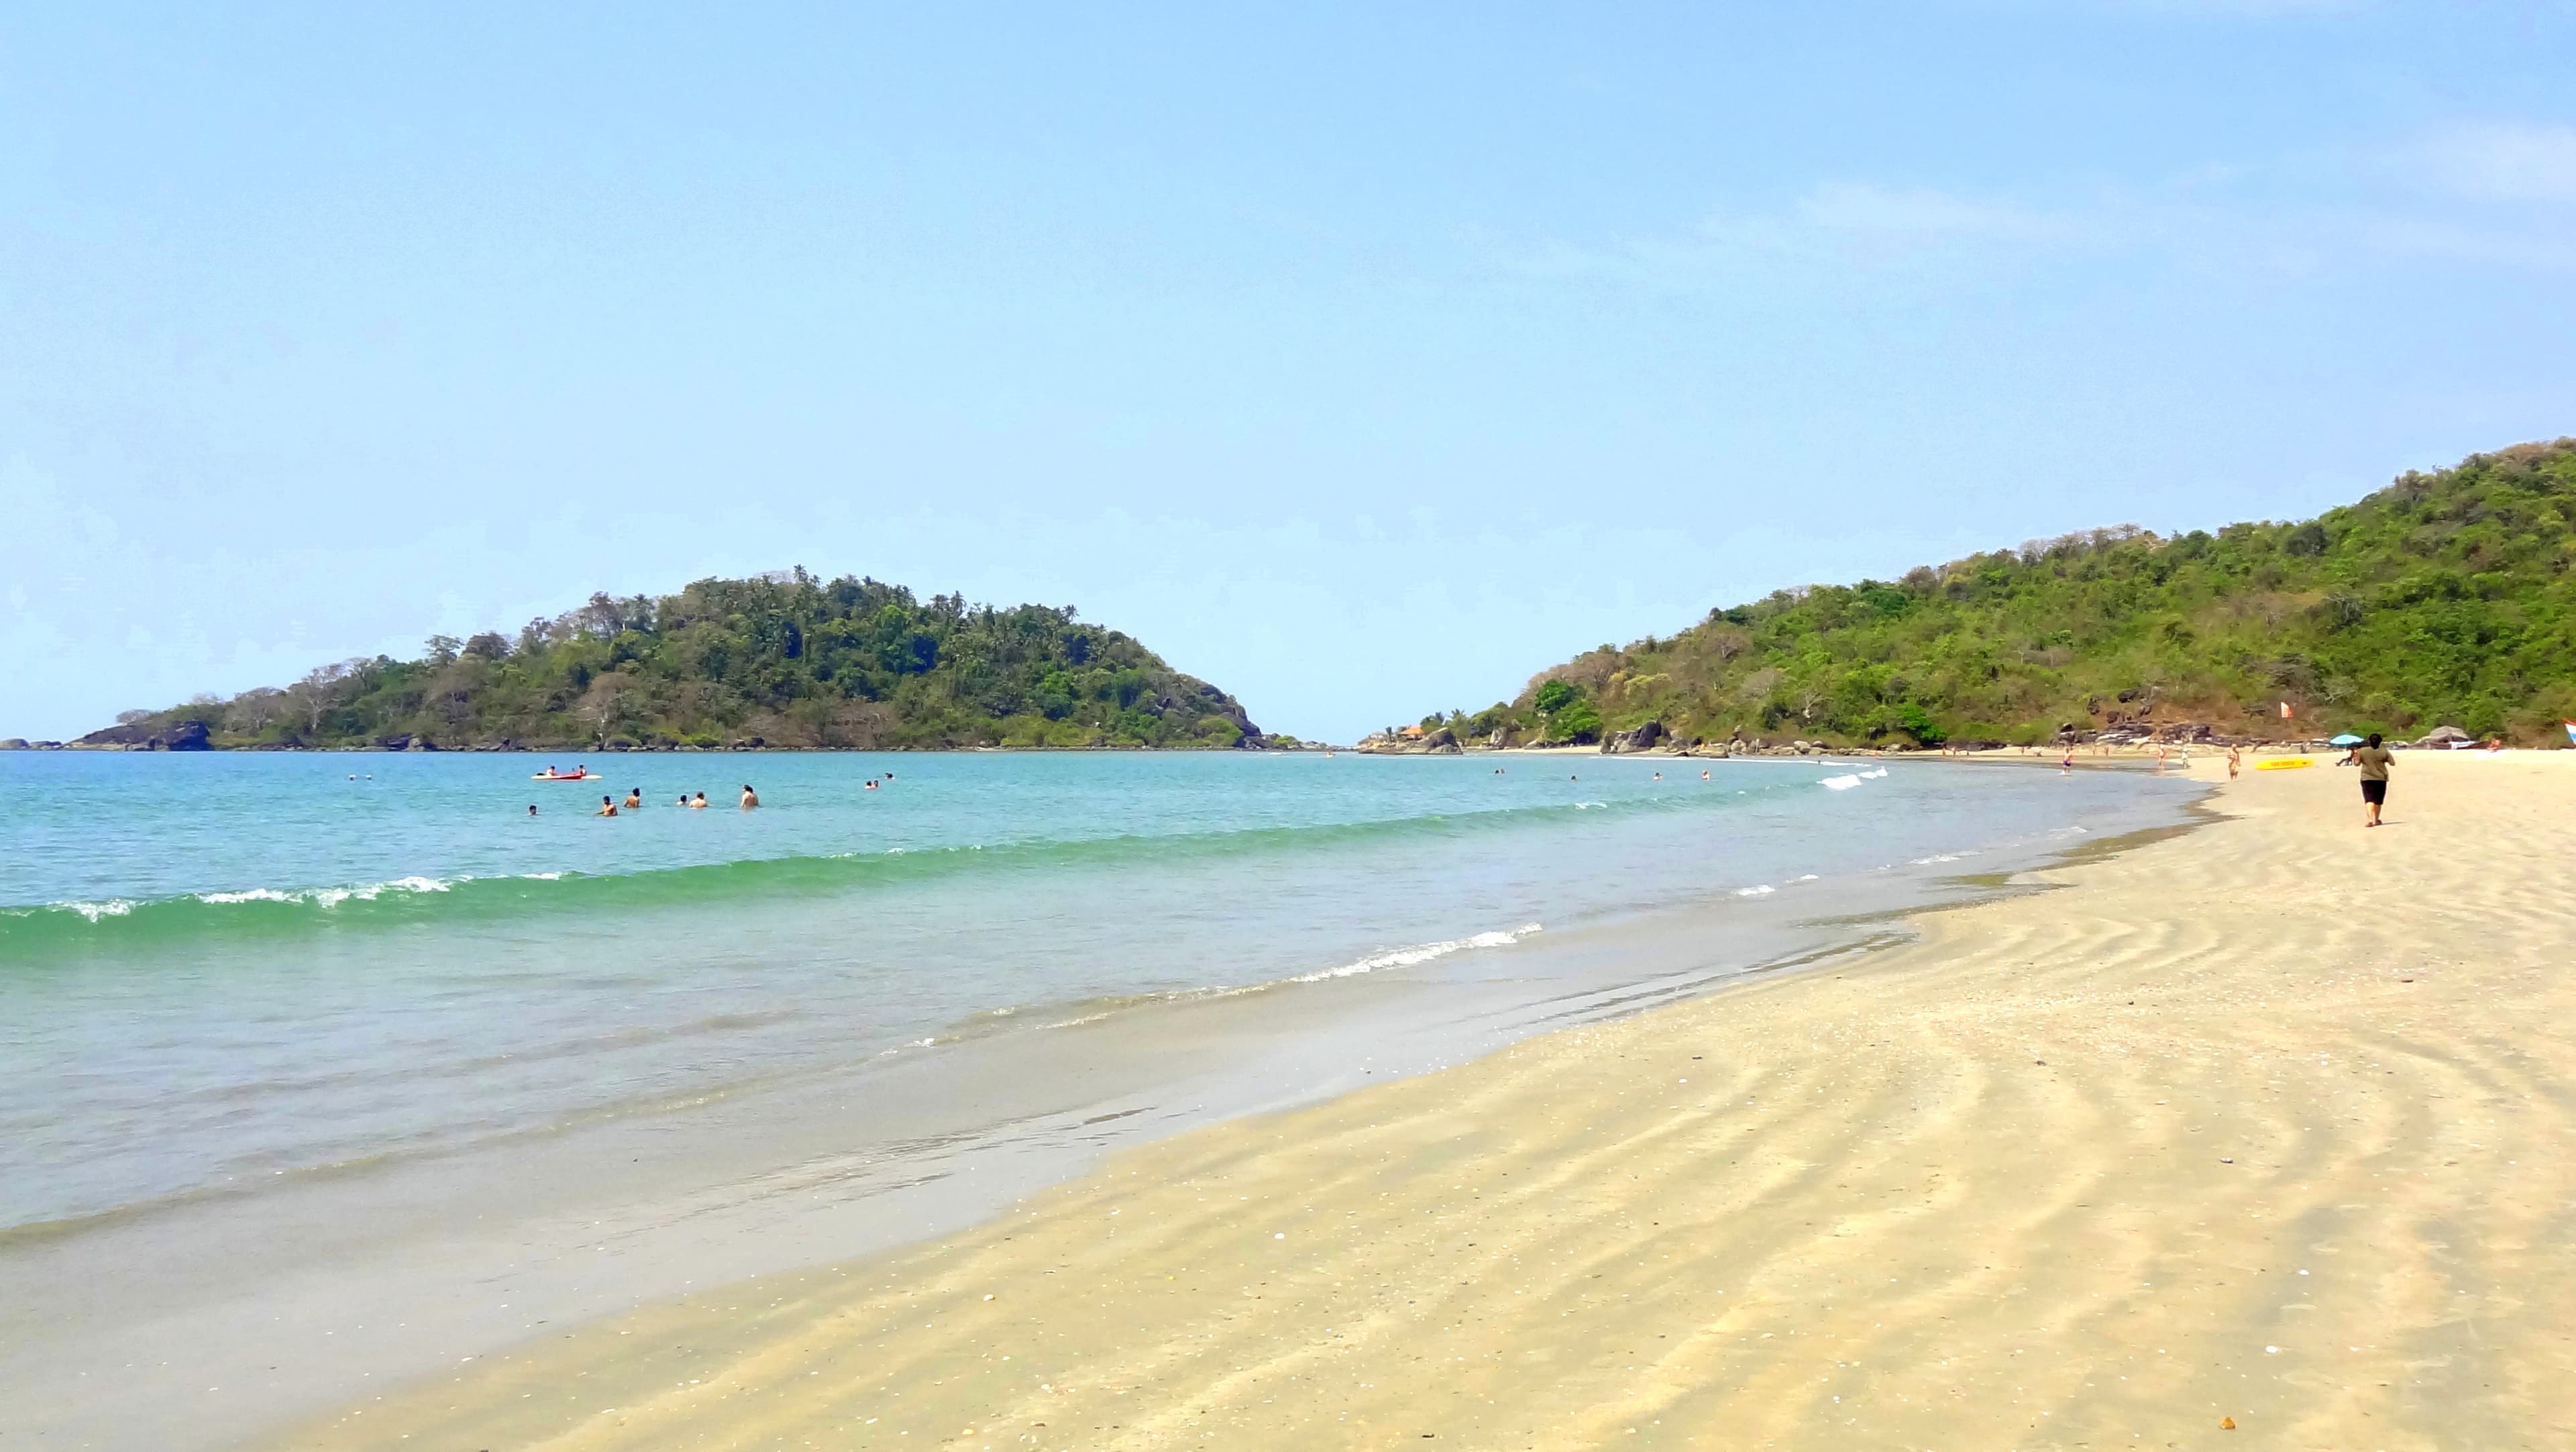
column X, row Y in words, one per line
column 2269, row 1122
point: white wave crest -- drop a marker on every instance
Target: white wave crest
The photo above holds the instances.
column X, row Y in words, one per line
column 114, row 907
column 334, row 896
column 1407, row 957
column 1839, row 783
column 1756, row 891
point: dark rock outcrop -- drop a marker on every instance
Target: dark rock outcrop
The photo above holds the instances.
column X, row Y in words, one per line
column 1644, row 738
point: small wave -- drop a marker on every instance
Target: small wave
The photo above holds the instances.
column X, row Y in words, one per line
column 1407, row 957
column 1871, row 775
column 1839, row 783
column 334, row 896
column 1758, row 890
column 114, row 907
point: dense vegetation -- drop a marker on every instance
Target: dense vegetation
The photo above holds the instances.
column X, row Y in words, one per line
column 785, row 660
column 2445, row 598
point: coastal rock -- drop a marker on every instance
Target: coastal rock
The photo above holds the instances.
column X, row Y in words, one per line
column 1644, row 738
column 129, row 737
column 394, row 741
column 15, row 743
column 2443, row 736
column 1442, row 742
column 186, row 736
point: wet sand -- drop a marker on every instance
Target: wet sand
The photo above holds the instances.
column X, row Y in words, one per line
column 2265, row 1123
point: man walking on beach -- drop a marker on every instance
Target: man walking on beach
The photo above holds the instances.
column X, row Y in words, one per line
column 2374, row 761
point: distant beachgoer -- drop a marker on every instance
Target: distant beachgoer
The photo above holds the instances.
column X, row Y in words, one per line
column 683, row 801
column 700, row 803
column 2374, row 761
column 634, row 799
column 2067, row 762
column 2235, row 762
column 1659, row 776
column 608, row 806
column 869, row 785
column 750, row 798
column 532, row 809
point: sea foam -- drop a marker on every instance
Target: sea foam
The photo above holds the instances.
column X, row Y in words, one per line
column 1423, row 953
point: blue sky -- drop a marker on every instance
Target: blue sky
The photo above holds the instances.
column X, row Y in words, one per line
column 1360, row 359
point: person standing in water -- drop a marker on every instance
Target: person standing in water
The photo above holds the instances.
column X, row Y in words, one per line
column 750, row 798
column 700, row 804
column 2374, row 761
column 634, row 799
column 608, row 806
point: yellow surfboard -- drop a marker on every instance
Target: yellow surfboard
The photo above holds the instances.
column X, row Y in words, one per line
column 2291, row 763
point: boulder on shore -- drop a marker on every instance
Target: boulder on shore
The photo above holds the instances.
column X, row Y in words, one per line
column 1644, row 738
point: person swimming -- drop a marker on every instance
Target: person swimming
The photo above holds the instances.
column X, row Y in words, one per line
column 634, row 799
column 608, row 806
column 532, row 809
column 683, row 801
column 1703, row 774
column 869, row 785
column 750, row 798
column 700, row 803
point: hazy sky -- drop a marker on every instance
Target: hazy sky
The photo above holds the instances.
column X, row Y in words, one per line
column 1360, row 359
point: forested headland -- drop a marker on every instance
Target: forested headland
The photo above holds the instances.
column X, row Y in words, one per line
column 2444, row 599
column 786, row 660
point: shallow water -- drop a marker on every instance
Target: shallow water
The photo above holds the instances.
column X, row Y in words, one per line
column 220, row 967
column 322, row 1073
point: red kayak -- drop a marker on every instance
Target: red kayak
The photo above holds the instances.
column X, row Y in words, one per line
column 559, row 776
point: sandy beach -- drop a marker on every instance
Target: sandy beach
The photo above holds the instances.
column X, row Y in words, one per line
column 2264, row 1124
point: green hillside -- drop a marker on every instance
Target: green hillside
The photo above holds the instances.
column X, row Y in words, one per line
column 2445, row 598
column 784, row 660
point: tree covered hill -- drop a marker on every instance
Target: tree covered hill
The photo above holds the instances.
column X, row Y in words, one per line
column 2445, row 598
column 783, row 660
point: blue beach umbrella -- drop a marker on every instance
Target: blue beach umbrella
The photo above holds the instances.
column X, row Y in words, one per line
column 2346, row 739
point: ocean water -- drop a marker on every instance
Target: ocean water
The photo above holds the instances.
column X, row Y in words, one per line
column 216, row 969
column 323, row 1073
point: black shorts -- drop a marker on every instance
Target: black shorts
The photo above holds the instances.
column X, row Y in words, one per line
column 2374, row 792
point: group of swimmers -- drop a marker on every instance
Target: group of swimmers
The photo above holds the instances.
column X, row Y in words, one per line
column 610, row 806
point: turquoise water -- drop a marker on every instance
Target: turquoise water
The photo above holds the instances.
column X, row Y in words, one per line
column 218, row 967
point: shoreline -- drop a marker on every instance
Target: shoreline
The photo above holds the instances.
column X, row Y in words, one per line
column 275, row 1299
column 2210, row 1133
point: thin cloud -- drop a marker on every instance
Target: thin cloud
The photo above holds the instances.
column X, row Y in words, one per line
column 2502, row 161
column 2213, row 219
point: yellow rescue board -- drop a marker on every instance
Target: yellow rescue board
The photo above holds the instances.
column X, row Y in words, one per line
column 2287, row 764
